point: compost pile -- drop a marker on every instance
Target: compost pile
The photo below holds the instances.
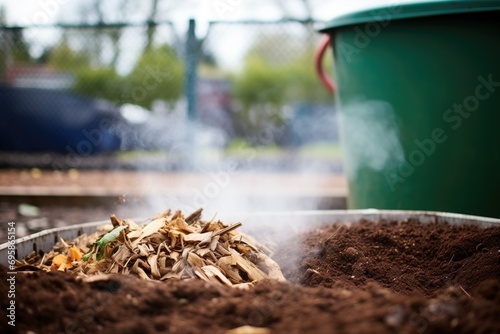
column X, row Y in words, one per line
column 169, row 246
column 387, row 276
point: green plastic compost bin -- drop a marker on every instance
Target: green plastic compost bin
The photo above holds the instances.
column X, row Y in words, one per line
column 418, row 93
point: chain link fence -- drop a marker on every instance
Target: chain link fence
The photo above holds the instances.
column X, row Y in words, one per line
column 275, row 97
column 124, row 86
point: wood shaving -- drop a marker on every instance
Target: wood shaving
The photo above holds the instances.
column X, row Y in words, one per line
column 170, row 246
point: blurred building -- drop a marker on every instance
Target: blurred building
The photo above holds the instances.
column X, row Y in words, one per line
column 214, row 104
column 33, row 76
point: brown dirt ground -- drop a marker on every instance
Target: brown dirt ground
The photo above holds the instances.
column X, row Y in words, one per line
column 385, row 277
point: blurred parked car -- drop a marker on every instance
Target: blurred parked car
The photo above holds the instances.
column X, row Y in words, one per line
column 33, row 119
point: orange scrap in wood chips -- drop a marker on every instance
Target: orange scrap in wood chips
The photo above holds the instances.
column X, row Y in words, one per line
column 61, row 262
column 169, row 246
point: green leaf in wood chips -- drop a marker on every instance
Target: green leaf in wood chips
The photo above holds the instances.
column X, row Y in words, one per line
column 100, row 253
column 101, row 243
column 110, row 236
column 87, row 256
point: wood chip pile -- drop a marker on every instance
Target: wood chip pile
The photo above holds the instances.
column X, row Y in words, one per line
column 170, row 246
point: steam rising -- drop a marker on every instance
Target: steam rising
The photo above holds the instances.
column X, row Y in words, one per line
column 369, row 132
column 230, row 188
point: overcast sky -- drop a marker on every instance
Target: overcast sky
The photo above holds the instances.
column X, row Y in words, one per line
column 26, row 12
column 29, row 12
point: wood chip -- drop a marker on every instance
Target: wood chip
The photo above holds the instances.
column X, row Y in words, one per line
column 243, row 286
column 228, row 265
column 222, row 250
column 273, row 269
column 149, row 229
column 96, row 278
column 201, row 274
column 202, row 238
column 249, row 330
column 194, row 217
column 181, row 225
column 175, row 256
column 194, row 260
column 178, row 267
column 153, row 263
column 214, row 242
column 212, row 271
column 139, row 271
column 226, row 229
column 164, row 214
column 142, row 250
column 121, row 255
column 254, row 273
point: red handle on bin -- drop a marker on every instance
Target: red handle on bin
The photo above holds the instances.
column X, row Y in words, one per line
column 318, row 62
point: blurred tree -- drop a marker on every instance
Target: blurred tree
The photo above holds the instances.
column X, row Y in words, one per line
column 272, row 79
column 89, row 80
column 158, row 74
column 64, row 58
column 260, row 83
column 98, row 11
column 14, row 48
column 19, row 47
column 103, row 43
column 275, row 48
column 102, row 83
column 302, row 83
column 260, row 89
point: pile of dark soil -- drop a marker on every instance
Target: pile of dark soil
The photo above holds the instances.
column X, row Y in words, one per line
column 384, row 277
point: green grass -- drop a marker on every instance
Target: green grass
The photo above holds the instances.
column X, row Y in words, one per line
column 321, row 151
column 241, row 148
column 138, row 154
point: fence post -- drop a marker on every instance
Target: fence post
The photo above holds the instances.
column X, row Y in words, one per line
column 191, row 67
column 190, row 156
